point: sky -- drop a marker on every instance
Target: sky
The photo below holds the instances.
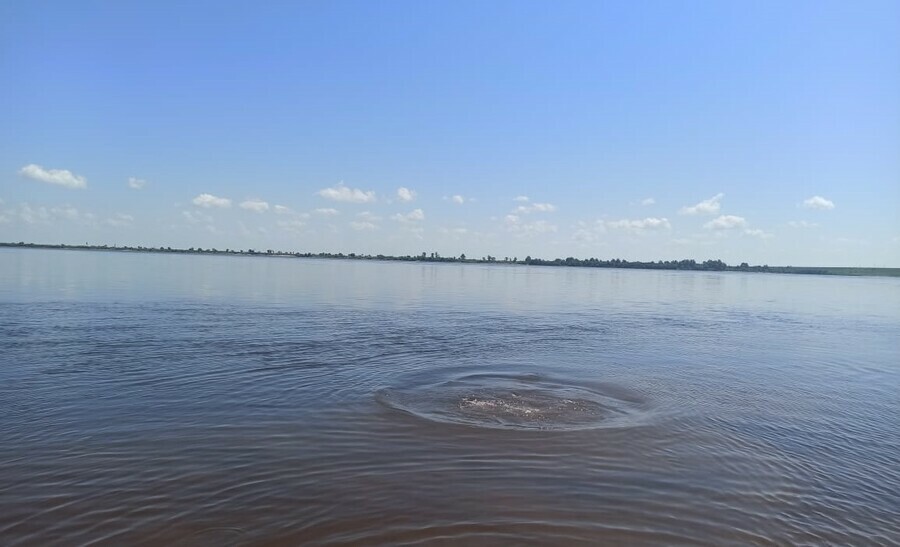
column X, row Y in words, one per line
column 765, row 132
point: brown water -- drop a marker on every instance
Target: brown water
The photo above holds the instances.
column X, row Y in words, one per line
column 188, row 400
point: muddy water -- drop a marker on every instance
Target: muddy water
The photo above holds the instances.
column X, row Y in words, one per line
column 161, row 400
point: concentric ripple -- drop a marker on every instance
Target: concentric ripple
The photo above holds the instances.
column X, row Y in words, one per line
column 518, row 401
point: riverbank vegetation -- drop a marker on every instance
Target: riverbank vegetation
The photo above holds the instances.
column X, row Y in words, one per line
column 683, row 265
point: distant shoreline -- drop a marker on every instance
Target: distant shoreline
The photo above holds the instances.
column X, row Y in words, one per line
column 673, row 265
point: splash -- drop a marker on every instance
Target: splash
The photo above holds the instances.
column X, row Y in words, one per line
column 517, row 401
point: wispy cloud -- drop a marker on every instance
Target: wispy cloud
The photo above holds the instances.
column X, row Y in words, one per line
column 120, row 219
column 255, row 205
column 405, row 194
column 818, row 202
column 755, row 232
column 195, row 217
column 31, row 215
column 340, row 192
column 293, row 225
column 416, row 215
column 588, row 232
column 802, row 224
column 709, row 206
column 368, row 216
column 363, row 226
column 282, row 210
column 326, row 212
column 45, row 215
column 648, row 201
column 516, row 225
column 535, row 208
column 59, row 177
column 209, row 200
column 521, row 199
column 726, row 222
column 639, row 225
column 135, row 183
column 66, row 211
column 457, row 199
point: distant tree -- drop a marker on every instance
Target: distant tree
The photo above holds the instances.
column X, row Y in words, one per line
column 462, row 257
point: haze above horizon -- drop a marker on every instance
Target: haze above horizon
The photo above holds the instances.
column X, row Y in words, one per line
column 767, row 133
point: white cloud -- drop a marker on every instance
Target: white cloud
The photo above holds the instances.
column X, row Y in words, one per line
column 457, row 199
column 521, row 198
column 648, row 201
column 639, row 225
column 405, row 194
column 802, row 224
column 758, row 233
column 291, row 225
column 535, row 208
column 343, row 193
column 209, row 200
column 60, row 177
column 709, row 206
column 363, row 226
column 255, row 205
column 135, row 183
column 326, row 212
column 416, row 215
column 282, row 210
column 818, row 202
column 726, row 222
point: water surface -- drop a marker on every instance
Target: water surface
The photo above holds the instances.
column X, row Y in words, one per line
column 167, row 399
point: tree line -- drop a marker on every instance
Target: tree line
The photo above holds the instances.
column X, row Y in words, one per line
column 714, row 265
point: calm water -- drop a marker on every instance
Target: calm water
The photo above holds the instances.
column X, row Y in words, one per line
column 231, row 400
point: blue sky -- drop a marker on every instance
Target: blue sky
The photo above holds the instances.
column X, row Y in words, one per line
column 766, row 132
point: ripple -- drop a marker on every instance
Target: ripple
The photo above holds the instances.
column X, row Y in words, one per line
column 519, row 401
